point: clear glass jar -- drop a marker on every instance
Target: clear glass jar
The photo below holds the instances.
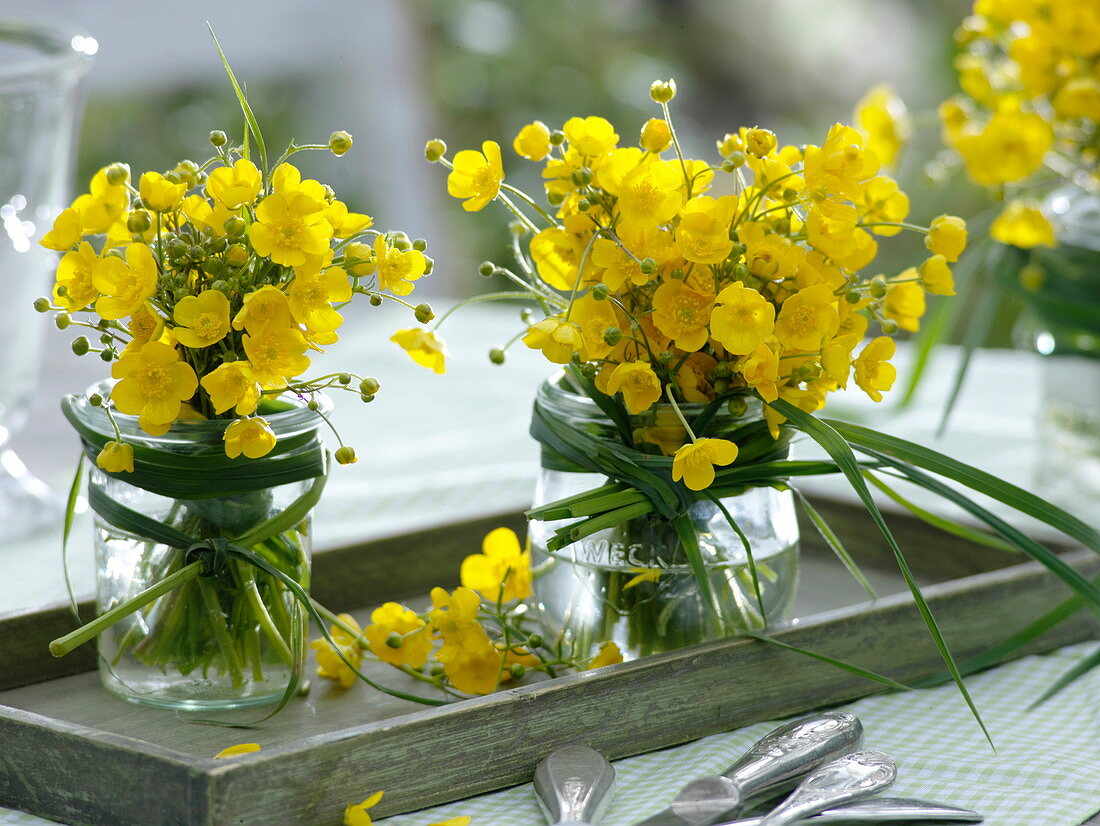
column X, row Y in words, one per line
column 1068, row 428
column 228, row 640
column 632, row 584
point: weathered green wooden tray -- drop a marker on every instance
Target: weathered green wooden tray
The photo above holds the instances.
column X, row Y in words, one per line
column 70, row 751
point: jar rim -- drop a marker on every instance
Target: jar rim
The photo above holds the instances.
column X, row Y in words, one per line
column 284, row 423
column 56, row 46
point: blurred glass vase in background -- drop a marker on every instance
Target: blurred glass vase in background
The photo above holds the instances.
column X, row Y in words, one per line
column 41, row 66
column 1062, row 322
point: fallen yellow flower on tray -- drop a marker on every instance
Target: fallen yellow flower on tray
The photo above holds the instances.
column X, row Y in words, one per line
column 356, row 814
column 239, row 749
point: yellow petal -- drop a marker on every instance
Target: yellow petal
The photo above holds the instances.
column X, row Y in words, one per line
column 241, row 748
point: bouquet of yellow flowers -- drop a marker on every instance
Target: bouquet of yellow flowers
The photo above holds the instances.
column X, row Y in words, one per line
column 682, row 294
column 206, row 288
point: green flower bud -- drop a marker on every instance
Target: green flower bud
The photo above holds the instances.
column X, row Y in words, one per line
column 212, row 266
column 346, row 456
column 221, row 286
column 648, row 266
column 118, row 174
column 366, row 398
column 176, row 247
column 106, row 355
column 584, row 205
column 557, row 137
column 589, row 370
column 81, row 345
column 62, row 322
column 376, row 300
column 423, row 313
column 737, row 407
column 368, row 386
column 665, row 356
column 517, row 229
column 853, row 297
column 235, row 226
column 196, row 254
column 312, row 404
column 236, row 255
column 741, row 272
column 889, row 326
column 526, row 315
column 394, row 640
column 723, row 370
column 612, row 336
column 139, row 221
column 600, row 292
column 106, row 338
column 582, row 176
column 878, row 287
column 42, row 305
column 662, row 91
column 534, row 641
column 496, row 355
column 434, row 150
column 555, row 198
column 95, row 400
column 420, row 244
column 429, row 264
column 486, row 268
column 339, row 143
column 218, row 138
column 344, row 379
column 517, row 671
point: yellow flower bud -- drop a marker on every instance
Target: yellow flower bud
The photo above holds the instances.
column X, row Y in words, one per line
column 760, row 142
column 656, row 135
column 434, row 150
column 116, row 457
column 339, row 143
column 662, row 91
column 346, row 456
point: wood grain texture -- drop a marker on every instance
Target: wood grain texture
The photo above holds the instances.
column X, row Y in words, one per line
column 148, row 769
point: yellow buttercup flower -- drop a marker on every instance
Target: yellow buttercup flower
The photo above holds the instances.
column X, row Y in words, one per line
column 594, row 318
column 66, row 232
column 881, row 201
column 234, row 186
column 533, row 141
column 290, row 228
column 608, row 654
column 703, row 234
column 936, row 276
column 557, row 256
column 947, row 237
column 556, row 338
column 759, row 142
column 650, row 194
column 638, row 383
column 201, row 320
column 312, row 293
column 153, row 384
column 841, row 240
column 116, row 457
column 356, row 814
column 884, row 121
column 265, row 307
column 346, row 224
column 415, row 637
column 807, row 319
column 145, row 325
column 1079, row 97
column 1022, row 224
column 656, row 135
column 103, row 205
column 125, row 285
column 905, row 302
column 682, row 314
column 695, row 462
column 502, row 561
column 232, row 385
column 741, row 319
column 74, row 289
column 397, row 269
column 276, row 353
column 252, row 436
column 160, row 194
column 760, row 369
column 874, row 373
column 1010, row 147
column 591, row 137
column 470, row 660
column 476, row 176
column 330, row 665
column 768, row 255
column 204, row 215
column 237, row 750
column 425, row 347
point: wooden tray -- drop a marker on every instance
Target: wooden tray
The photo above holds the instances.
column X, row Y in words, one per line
column 70, row 751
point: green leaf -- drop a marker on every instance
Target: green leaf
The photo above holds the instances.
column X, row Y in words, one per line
column 250, row 118
column 689, row 541
column 1083, row 667
column 841, row 664
column 944, row 524
column 70, row 515
column 977, row 480
column 748, row 552
column 841, row 452
column 834, row 543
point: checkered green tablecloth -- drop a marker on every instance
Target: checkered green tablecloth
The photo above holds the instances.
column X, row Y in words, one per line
column 1045, row 772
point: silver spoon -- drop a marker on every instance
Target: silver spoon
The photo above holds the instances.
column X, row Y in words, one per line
column 852, row 777
column 878, row 809
column 573, row 786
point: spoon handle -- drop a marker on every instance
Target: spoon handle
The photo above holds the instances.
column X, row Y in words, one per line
column 852, row 777
column 793, row 749
column 878, row 810
column 573, row 785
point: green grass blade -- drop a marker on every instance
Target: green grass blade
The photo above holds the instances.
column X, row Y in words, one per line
column 689, row 541
column 250, row 118
column 748, row 553
column 977, row 480
column 945, row 525
column 835, row 545
column 976, row 333
column 70, row 515
column 841, row 452
column 841, row 664
column 1086, row 665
